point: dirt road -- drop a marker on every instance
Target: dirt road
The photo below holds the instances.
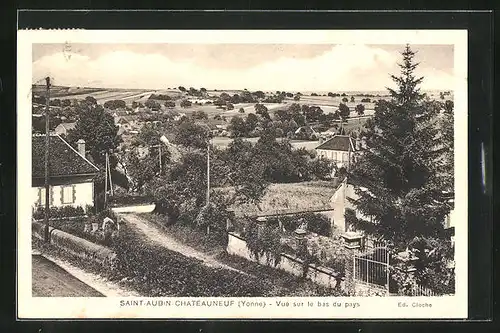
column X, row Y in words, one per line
column 50, row 280
column 155, row 234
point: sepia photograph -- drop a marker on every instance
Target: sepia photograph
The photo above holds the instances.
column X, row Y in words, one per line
column 268, row 178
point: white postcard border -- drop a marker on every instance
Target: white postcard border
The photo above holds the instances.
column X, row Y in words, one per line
column 368, row 307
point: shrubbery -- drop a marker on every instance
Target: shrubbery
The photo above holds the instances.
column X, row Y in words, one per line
column 263, row 239
column 115, row 104
column 76, row 227
column 60, row 212
column 315, row 223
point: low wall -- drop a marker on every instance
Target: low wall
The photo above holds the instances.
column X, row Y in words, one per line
column 318, row 274
column 134, row 209
column 75, row 245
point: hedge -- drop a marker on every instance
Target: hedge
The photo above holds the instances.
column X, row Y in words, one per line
column 77, row 246
column 316, row 223
column 60, row 212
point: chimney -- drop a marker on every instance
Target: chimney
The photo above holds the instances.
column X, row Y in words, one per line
column 81, row 147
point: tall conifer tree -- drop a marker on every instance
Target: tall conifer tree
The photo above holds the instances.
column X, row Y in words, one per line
column 401, row 178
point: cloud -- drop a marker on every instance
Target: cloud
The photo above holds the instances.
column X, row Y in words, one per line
column 343, row 67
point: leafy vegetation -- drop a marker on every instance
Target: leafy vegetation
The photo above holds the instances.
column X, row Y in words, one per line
column 263, row 239
column 115, row 104
column 60, row 212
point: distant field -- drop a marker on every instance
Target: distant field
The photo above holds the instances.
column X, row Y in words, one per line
column 59, row 92
column 102, row 95
column 292, row 196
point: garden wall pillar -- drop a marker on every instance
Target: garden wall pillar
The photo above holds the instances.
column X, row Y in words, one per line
column 352, row 241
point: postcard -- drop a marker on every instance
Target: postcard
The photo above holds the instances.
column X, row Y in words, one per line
column 242, row 174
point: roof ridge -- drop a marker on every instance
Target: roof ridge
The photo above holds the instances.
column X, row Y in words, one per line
column 77, row 152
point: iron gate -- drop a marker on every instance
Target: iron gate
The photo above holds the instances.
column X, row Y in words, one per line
column 371, row 265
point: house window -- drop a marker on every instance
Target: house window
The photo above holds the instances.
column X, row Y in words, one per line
column 41, row 196
column 68, row 194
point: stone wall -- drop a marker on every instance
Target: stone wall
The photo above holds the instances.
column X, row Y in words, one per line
column 75, row 245
column 321, row 275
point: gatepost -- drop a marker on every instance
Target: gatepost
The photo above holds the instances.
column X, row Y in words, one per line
column 352, row 243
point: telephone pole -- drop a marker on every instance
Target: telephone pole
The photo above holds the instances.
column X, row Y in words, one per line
column 106, row 182
column 208, row 174
column 159, row 156
column 110, row 179
column 47, row 189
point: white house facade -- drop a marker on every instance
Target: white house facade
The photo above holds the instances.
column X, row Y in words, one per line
column 340, row 149
column 71, row 174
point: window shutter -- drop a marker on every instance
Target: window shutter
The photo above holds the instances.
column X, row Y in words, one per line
column 51, row 196
column 62, row 194
column 74, row 192
column 39, row 201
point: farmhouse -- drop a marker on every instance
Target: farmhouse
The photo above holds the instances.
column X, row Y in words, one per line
column 71, row 175
column 340, row 149
column 64, row 128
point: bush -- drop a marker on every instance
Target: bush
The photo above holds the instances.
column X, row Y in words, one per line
column 315, row 223
column 186, row 104
column 115, row 104
column 77, row 228
column 170, row 104
column 60, row 212
column 263, row 239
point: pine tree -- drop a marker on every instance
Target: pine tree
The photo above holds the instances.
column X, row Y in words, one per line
column 401, row 175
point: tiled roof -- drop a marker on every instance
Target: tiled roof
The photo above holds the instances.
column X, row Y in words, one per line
column 64, row 160
column 338, row 142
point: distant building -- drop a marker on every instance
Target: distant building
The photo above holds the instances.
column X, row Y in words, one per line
column 64, row 128
column 331, row 132
column 306, row 131
column 71, row 174
column 341, row 149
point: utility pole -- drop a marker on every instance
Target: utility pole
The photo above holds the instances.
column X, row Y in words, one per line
column 110, row 179
column 106, row 183
column 349, row 154
column 208, row 174
column 47, row 197
column 159, row 156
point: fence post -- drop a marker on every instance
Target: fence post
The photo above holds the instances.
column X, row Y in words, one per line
column 352, row 241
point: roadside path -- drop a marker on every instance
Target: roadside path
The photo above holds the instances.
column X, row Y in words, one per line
column 155, row 234
column 100, row 284
column 50, row 280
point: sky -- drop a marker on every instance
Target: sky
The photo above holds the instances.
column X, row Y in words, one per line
column 267, row 67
